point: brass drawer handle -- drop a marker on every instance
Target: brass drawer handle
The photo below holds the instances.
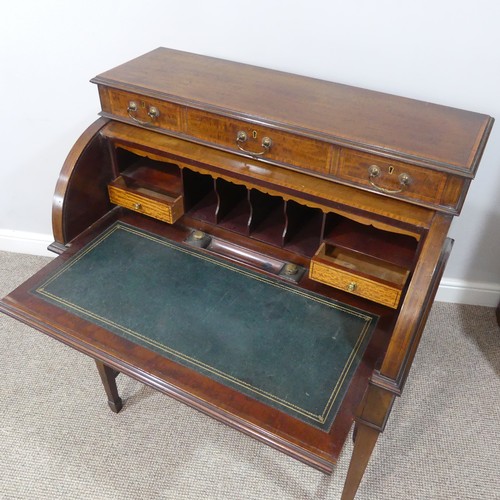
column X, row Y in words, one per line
column 153, row 113
column 242, row 137
column 374, row 172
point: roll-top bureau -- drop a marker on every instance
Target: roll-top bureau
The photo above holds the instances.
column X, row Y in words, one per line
column 261, row 246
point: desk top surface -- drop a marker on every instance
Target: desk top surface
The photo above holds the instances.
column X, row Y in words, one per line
column 442, row 136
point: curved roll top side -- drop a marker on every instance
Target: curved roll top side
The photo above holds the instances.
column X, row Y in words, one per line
column 80, row 196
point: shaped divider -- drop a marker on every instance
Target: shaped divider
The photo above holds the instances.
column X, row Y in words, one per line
column 268, row 220
column 200, row 198
column 233, row 206
column 303, row 228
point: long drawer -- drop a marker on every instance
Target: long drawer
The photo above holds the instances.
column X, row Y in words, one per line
column 401, row 180
column 227, row 133
column 261, row 142
column 141, row 110
column 379, row 174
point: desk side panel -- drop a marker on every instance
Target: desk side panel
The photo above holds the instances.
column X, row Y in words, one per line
column 80, row 196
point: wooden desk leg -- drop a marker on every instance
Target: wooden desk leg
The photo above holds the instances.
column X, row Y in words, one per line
column 108, row 376
column 364, row 442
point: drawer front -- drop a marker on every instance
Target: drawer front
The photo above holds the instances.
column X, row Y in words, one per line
column 285, row 148
column 396, row 178
column 141, row 110
column 355, row 284
column 166, row 212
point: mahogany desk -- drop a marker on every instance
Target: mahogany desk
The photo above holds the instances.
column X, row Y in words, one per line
column 318, row 213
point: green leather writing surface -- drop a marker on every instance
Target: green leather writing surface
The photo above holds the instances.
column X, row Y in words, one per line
column 291, row 349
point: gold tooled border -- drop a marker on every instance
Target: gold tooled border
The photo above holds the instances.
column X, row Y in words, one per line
column 321, row 418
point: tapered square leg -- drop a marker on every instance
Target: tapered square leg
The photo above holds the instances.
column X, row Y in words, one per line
column 365, row 439
column 108, row 378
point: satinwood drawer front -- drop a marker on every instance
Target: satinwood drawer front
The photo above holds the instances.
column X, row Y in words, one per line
column 359, row 274
column 260, row 142
column 141, row 110
column 237, row 135
column 399, row 179
column 157, row 205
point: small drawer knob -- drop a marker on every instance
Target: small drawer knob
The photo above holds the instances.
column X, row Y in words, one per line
column 373, row 171
column 351, row 287
column 267, row 143
column 241, row 136
column 153, row 112
column 137, row 206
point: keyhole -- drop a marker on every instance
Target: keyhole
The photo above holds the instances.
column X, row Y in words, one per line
column 254, row 134
column 391, row 169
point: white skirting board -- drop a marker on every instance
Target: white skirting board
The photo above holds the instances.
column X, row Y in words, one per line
column 25, row 242
column 450, row 290
column 468, row 292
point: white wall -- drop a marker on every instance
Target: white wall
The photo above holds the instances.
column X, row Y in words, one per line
column 443, row 51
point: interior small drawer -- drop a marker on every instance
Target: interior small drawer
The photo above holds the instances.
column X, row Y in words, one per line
column 146, row 201
column 359, row 274
column 400, row 179
column 260, row 142
column 141, row 110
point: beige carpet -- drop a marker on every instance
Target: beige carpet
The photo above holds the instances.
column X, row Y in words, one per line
column 59, row 440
